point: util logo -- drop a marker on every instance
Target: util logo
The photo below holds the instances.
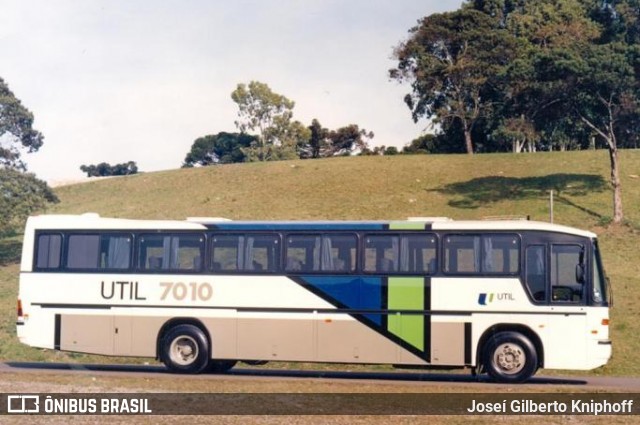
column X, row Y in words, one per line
column 484, row 298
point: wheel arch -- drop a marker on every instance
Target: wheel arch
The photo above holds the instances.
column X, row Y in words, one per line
column 510, row 327
column 181, row 321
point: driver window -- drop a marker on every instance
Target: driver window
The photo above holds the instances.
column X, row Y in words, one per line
column 565, row 285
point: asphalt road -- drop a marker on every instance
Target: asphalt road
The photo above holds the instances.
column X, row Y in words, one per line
column 537, row 383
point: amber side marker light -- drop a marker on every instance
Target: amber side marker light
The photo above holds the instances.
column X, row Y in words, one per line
column 19, row 308
column 605, row 322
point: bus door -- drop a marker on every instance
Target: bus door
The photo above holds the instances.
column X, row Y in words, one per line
column 557, row 280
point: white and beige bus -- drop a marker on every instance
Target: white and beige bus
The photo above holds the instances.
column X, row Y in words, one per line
column 501, row 297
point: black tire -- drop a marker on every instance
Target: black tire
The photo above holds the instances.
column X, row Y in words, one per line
column 510, row 357
column 185, row 349
column 221, row 366
column 255, row 362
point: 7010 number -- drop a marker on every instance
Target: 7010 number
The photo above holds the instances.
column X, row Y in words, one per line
column 181, row 291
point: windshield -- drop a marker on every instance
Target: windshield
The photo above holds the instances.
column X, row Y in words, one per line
column 599, row 281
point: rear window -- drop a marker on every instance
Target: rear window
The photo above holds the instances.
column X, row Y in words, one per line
column 48, row 250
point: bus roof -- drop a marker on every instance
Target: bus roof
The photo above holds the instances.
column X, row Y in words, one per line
column 92, row 221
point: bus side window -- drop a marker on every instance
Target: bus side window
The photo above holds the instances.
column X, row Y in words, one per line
column 381, row 253
column 535, row 267
column 492, row 254
column 171, row 252
column 303, row 253
column 418, row 254
column 48, row 251
column 338, row 253
column 400, row 254
column 115, row 252
column 224, row 252
column 327, row 253
column 462, row 254
column 250, row 253
column 83, row 252
column 98, row 252
column 261, row 253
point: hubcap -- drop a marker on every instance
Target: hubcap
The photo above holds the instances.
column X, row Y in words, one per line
column 183, row 350
column 510, row 358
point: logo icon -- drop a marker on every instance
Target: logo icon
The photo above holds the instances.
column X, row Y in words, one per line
column 23, row 404
column 482, row 298
column 487, row 298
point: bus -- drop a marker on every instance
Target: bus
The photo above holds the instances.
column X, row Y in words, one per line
column 499, row 297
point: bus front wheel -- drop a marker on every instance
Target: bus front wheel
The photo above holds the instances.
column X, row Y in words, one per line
column 221, row 366
column 185, row 349
column 510, row 357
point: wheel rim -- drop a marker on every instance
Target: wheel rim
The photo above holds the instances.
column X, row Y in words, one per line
column 183, row 350
column 509, row 358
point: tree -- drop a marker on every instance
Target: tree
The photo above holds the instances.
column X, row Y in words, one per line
column 586, row 70
column 16, row 130
column 420, row 145
column 21, row 195
column 270, row 115
column 527, row 115
column 604, row 97
column 103, row 169
column 348, row 139
column 221, row 148
column 290, row 136
column 323, row 143
column 519, row 132
column 525, row 75
column 451, row 59
column 318, row 141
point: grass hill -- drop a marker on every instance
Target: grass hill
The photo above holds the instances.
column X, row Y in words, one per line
column 392, row 187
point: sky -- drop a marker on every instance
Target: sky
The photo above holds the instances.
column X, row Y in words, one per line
column 124, row 80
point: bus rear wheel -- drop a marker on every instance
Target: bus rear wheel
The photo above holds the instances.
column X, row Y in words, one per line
column 510, row 357
column 185, row 349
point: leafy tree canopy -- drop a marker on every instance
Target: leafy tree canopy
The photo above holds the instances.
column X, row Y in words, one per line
column 221, row 148
column 22, row 195
column 103, row 169
column 451, row 61
column 348, row 139
column 16, row 130
column 345, row 140
column 318, row 141
column 529, row 75
column 270, row 115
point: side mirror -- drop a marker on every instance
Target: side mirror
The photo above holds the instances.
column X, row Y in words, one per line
column 580, row 273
